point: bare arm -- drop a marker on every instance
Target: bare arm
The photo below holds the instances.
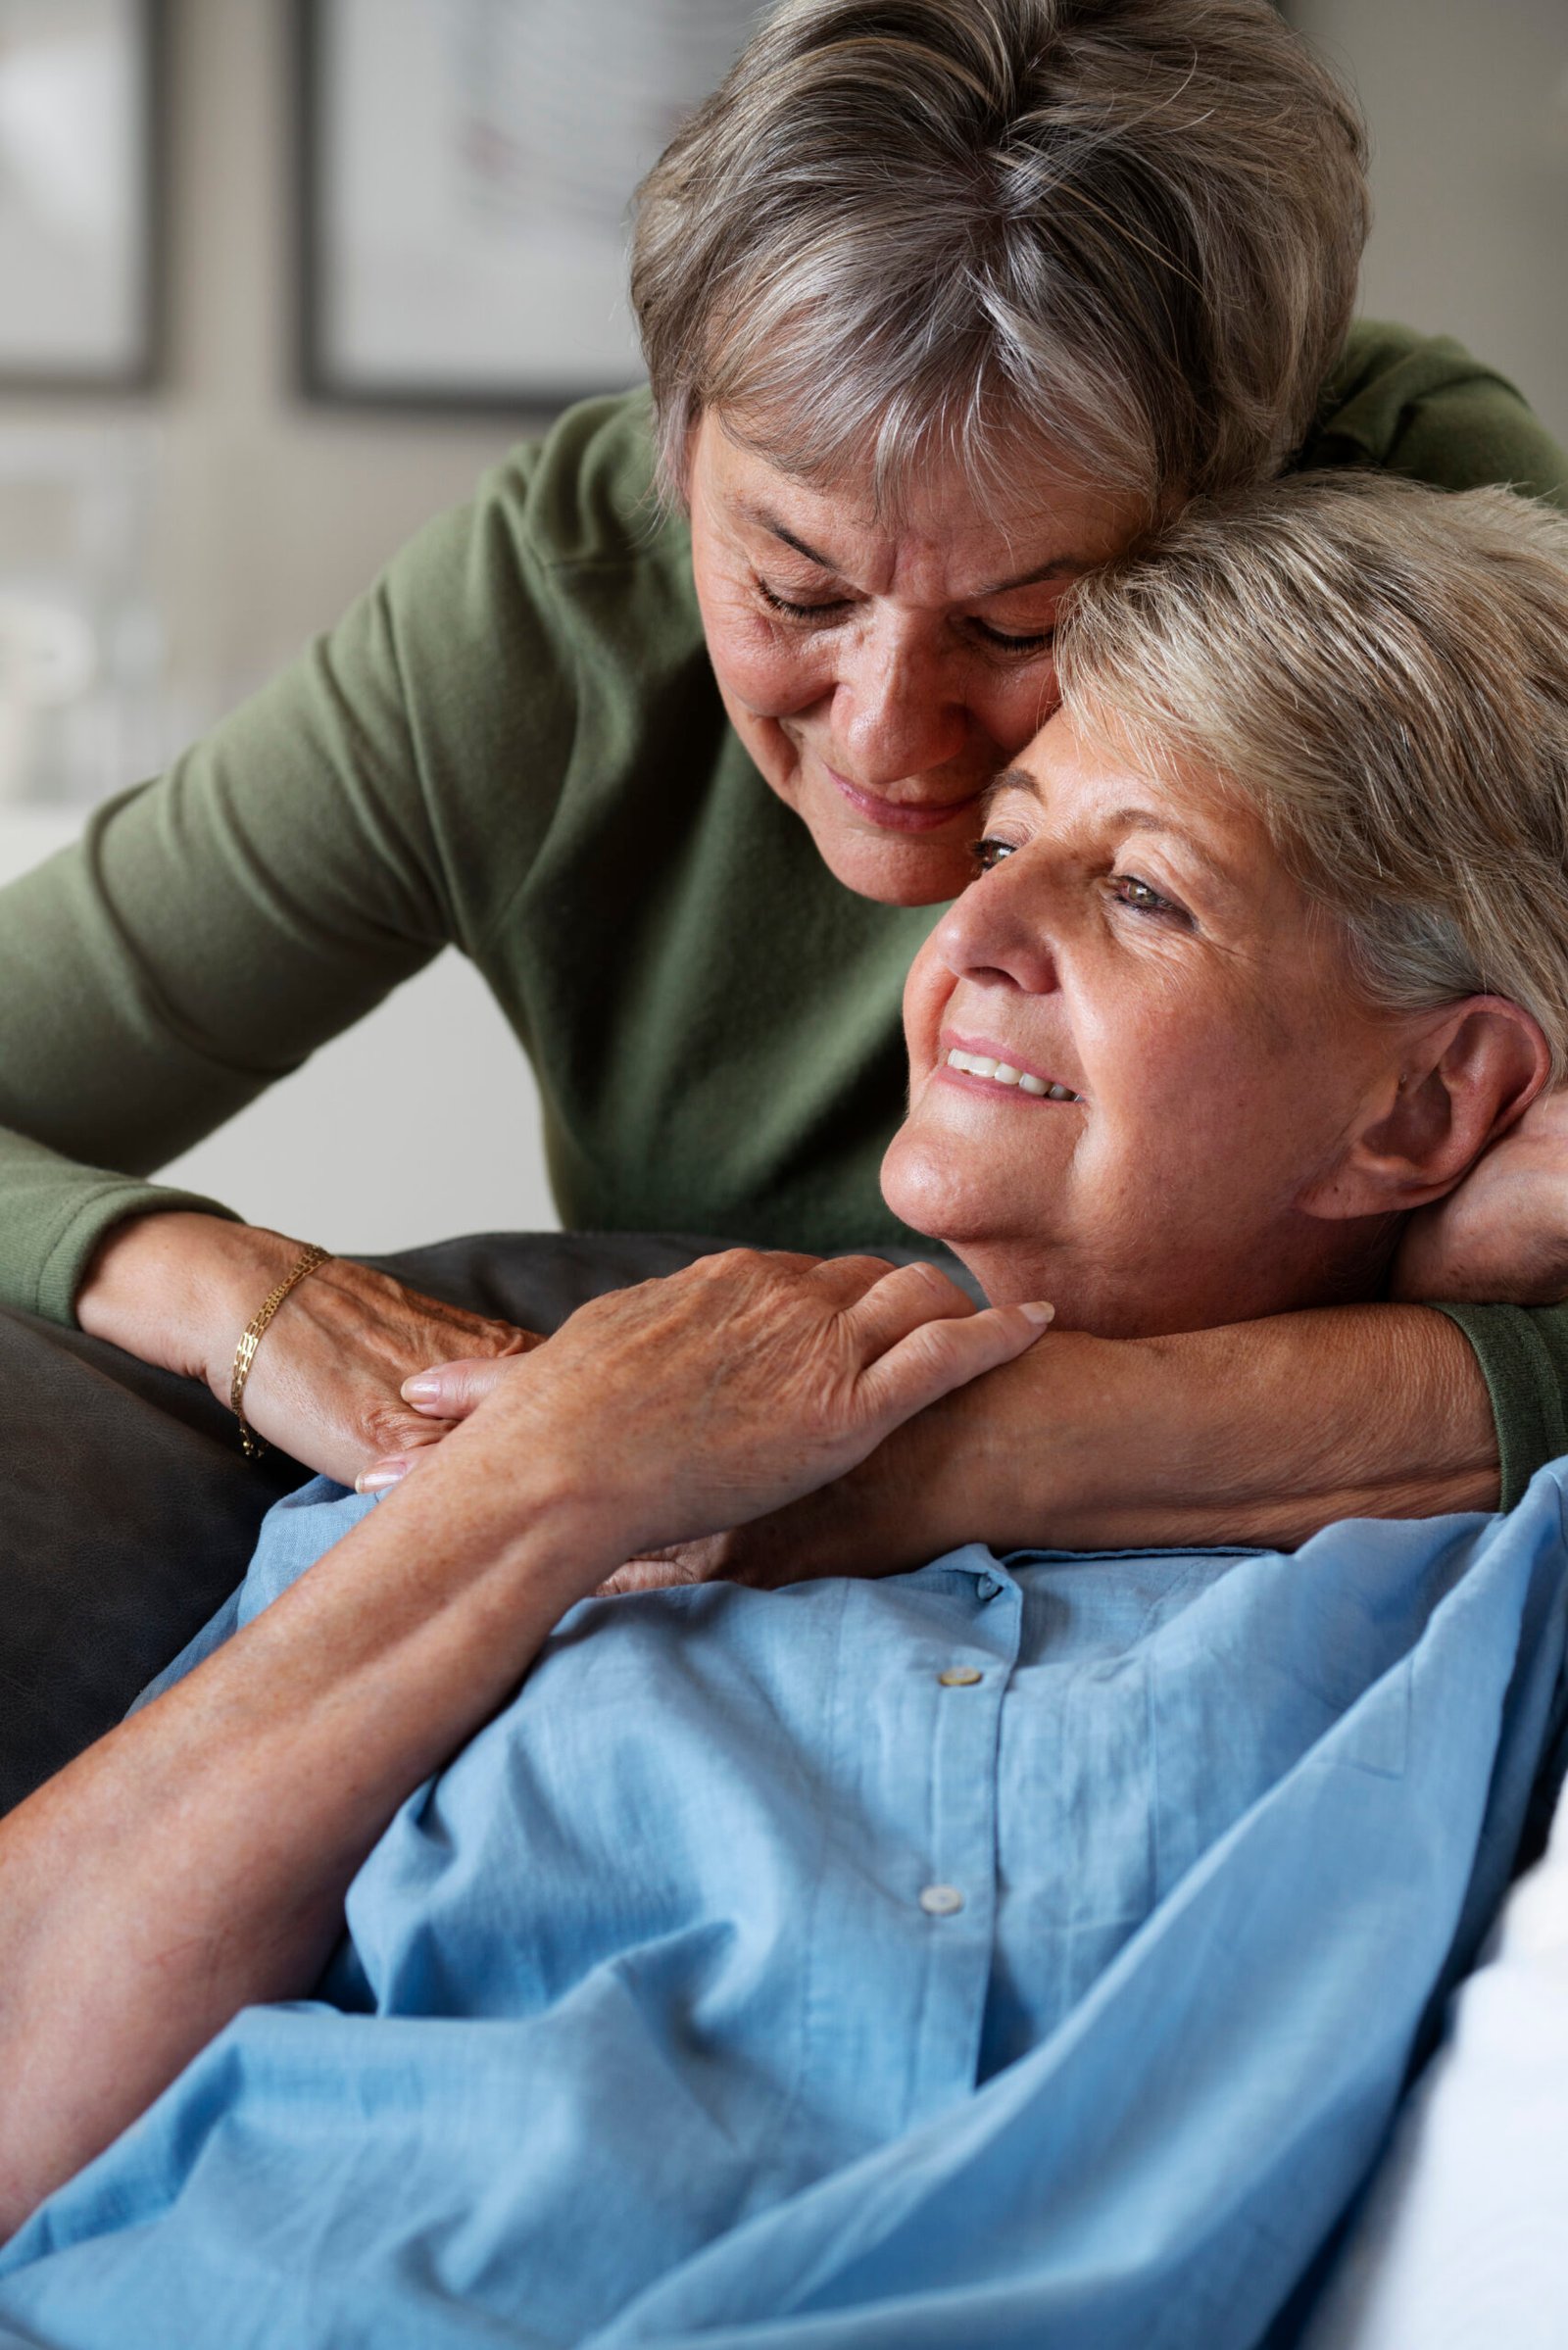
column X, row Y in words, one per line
column 1263, row 1433
column 196, row 1859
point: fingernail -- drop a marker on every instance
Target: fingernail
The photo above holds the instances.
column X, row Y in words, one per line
column 1038, row 1313
column 380, row 1476
column 423, row 1388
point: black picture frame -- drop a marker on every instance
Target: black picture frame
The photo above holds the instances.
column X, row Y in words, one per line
column 420, row 373
column 133, row 346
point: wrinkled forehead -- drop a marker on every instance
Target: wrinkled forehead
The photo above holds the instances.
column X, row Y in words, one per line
column 980, row 539
column 1077, row 776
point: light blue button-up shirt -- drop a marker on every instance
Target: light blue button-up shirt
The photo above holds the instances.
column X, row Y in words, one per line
column 1019, row 1954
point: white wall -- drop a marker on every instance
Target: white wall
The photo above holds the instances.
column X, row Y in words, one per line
column 271, row 518
column 1468, row 104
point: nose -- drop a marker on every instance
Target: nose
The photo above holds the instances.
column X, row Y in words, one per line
column 895, row 710
column 999, row 933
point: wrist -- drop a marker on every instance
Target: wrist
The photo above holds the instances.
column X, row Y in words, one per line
column 500, row 1527
column 177, row 1288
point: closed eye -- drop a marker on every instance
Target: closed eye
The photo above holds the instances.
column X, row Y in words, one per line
column 998, row 638
column 799, row 612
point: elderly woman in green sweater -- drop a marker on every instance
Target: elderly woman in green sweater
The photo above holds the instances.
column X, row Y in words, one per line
column 943, row 303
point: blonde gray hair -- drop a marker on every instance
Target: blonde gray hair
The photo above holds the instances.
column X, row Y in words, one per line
column 1127, row 232
column 1382, row 670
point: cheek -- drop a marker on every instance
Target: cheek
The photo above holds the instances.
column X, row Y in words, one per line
column 926, row 995
column 759, row 669
column 1162, row 1064
column 1012, row 705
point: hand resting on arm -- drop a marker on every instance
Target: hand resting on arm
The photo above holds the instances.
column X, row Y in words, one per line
column 1265, row 1431
column 195, row 1860
column 177, row 1289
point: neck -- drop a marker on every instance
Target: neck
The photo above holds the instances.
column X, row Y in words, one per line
column 1317, row 1262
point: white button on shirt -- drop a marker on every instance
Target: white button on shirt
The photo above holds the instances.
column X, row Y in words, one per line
column 959, row 1677
column 941, row 1900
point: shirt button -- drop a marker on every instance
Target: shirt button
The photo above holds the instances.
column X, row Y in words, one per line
column 988, row 1587
column 941, row 1900
column 959, row 1677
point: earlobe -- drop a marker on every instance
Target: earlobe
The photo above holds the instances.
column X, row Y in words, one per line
column 1469, row 1077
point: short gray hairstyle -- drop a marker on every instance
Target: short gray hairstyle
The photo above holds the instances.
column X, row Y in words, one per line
column 1127, row 232
column 1380, row 670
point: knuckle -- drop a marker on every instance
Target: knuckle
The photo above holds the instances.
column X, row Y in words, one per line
column 390, row 1426
column 497, row 1337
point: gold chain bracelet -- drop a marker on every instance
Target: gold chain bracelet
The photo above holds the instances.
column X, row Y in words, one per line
column 251, row 1339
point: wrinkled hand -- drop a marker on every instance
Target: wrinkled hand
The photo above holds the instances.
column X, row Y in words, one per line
column 686, row 1407
column 326, row 1380
column 177, row 1289
column 1503, row 1237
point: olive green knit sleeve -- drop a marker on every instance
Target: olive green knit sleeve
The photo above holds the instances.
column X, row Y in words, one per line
column 1420, row 405
column 213, row 928
column 1523, row 1353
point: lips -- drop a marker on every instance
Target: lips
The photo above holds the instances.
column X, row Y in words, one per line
column 972, row 1061
column 899, row 816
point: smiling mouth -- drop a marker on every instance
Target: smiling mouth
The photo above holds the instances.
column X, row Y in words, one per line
column 1004, row 1073
column 899, row 816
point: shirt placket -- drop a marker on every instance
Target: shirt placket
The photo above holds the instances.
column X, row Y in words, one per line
column 954, row 1877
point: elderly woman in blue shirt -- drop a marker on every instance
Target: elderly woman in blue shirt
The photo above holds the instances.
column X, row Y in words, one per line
column 1027, row 1949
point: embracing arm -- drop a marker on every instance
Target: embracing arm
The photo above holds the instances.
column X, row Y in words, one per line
column 1263, row 1433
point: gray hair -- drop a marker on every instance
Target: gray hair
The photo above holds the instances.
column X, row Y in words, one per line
column 1125, row 230
column 1382, row 670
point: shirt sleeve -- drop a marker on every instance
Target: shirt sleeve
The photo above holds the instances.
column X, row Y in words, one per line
column 1523, row 1353
column 211, row 928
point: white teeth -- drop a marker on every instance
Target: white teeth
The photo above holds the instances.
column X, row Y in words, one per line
column 1003, row 1073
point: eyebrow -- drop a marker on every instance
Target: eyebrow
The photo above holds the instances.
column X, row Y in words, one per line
column 1144, row 819
column 1060, row 566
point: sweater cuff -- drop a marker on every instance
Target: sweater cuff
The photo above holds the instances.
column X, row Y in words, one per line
column 1523, row 1353
column 111, row 1202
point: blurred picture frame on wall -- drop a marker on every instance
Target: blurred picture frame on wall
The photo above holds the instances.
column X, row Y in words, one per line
column 466, row 174
column 80, row 194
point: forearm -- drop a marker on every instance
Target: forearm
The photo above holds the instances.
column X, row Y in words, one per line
column 196, row 1859
column 177, row 1288
column 1262, row 1432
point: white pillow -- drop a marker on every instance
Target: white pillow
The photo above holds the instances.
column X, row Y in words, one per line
column 1463, row 2242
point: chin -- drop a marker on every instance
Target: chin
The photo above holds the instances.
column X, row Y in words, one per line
column 927, row 1192
column 893, row 871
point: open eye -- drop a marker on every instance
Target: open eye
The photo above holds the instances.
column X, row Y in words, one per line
column 989, row 851
column 1144, row 899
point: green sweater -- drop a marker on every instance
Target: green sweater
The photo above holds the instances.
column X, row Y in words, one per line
column 513, row 744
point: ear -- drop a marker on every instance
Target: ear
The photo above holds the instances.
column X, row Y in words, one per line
column 1460, row 1083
